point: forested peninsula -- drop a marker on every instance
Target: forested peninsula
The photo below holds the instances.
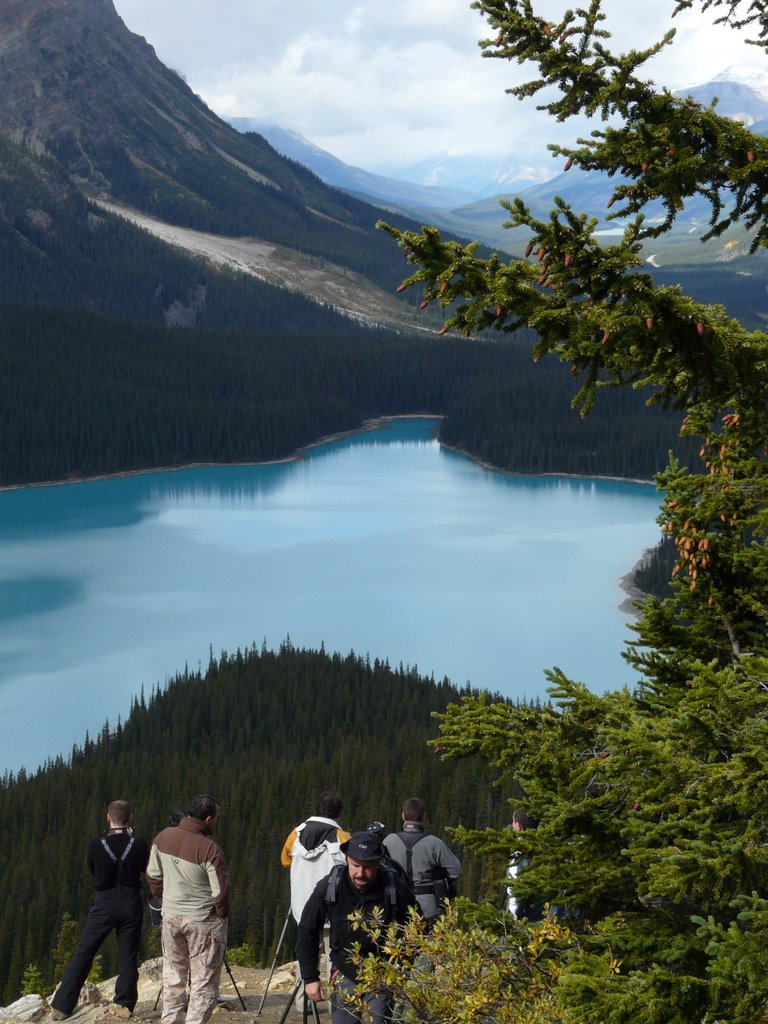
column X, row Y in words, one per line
column 83, row 395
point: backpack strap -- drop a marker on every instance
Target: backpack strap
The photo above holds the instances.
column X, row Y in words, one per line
column 113, row 855
column 409, row 840
column 332, row 886
column 390, row 889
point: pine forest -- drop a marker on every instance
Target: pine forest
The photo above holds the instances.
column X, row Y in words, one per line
column 266, row 732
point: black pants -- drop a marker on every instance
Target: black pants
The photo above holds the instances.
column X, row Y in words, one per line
column 119, row 908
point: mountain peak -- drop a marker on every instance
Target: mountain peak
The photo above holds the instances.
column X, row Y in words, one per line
column 752, row 78
column 68, row 68
column 741, row 94
column 78, row 87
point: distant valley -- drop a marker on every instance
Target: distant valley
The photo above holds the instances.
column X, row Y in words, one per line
column 461, row 194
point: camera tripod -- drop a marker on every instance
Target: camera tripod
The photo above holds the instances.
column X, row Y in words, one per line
column 309, row 1004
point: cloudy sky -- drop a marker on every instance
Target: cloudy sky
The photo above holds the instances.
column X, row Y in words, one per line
column 384, row 85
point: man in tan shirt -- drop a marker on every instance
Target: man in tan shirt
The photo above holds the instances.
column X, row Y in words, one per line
column 187, row 871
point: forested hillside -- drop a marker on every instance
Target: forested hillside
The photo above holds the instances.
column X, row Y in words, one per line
column 57, row 248
column 265, row 732
column 82, row 395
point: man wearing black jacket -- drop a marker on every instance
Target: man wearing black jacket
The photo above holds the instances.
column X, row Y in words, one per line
column 117, row 861
column 361, row 884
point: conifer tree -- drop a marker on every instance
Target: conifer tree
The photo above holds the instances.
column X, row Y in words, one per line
column 66, row 944
column 32, row 983
column 96, row 972
column 652, row 837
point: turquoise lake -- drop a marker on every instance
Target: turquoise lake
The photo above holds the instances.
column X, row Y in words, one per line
column 382, row 543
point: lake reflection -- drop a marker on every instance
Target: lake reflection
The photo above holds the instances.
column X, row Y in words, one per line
column 382, row 543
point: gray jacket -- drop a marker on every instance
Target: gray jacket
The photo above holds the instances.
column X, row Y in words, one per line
column 431, row 861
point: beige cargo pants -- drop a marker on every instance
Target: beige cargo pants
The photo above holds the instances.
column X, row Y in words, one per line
column 193, row 951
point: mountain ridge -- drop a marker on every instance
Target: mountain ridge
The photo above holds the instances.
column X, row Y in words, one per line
column 77, row 85
column 97, row 115
column 480, row 181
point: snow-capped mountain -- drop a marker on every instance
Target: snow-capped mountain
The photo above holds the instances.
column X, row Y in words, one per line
column 741, row 95
column 479, row 175
column 333, row 171
column 460, row 191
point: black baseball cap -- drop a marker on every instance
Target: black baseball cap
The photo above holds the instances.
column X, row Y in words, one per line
column 363, row 846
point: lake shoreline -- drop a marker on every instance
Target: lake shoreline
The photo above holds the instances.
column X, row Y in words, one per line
column 635, row 596
column 365, row 427
column 552, row 473
column 628, row 606
column 380, row 542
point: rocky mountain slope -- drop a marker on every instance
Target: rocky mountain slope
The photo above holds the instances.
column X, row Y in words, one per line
column 78, row 87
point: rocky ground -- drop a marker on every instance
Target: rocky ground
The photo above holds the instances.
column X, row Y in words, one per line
column 96, row 1005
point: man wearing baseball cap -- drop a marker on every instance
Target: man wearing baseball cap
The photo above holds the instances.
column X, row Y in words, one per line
column 363, row 883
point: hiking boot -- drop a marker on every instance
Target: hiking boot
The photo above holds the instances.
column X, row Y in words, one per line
column 116, row 1010
column 59, row 1014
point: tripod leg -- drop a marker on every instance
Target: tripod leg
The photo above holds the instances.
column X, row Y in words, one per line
column 234, row 983
column 289, row 1004
column 274, row 962
column 310, row 1004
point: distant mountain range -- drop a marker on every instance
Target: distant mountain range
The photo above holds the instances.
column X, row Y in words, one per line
column 353, row 179
column 461, row 192
column 743, row 97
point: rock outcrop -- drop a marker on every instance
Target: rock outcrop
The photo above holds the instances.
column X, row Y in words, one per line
column 95, row 1006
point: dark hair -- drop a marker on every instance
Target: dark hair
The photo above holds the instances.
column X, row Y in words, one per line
column 120, row 812
column 414, row 809
column 175, row 818
column 328, row 805
column 523, row 818
column 203, row 806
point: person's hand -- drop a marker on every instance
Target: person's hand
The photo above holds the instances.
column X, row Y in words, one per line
column 314, row 991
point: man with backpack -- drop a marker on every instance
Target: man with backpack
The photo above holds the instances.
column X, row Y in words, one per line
column 432, row 868
column 312, row 849
column 365, row 883
column 117, row 861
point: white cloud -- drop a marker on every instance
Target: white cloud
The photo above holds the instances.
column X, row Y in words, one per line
column 383, row 85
